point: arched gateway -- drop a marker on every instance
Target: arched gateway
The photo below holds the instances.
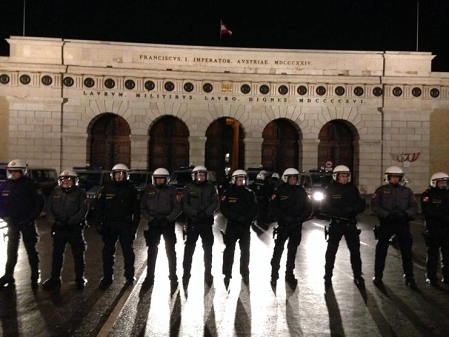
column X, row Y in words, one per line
column 110, row 143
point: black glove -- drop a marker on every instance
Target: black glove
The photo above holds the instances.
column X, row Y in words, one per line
column 390, row 217
column 163, row 222
column 346, row 211
column 201, row 215
column 241, row 219
column 400, row 216
column 73, row 226
column 60, row 225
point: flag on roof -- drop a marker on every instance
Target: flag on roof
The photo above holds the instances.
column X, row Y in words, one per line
column 224, row 29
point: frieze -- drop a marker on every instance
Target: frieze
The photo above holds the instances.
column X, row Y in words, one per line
column 227, row 98
column 219, row 60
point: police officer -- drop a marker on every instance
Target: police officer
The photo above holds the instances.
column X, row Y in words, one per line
column 435, row 208
column 160, row 207
column 262, row 190
column 274, row 182
column 199, row 202
column 21, row 202
column 291, row 207
column 394, row 205
column 342, row 202
column 239, row 206
column 66, row 212
column 117, row 217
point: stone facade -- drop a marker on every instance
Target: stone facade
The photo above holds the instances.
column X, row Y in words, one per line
column 53, row 90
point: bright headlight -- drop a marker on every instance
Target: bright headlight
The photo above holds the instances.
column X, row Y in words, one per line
column 318, row 196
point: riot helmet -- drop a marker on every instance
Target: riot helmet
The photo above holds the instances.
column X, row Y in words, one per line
column 341, row 169
column 394, row 171
column 439, row 176
column 16, row 165
column 289, row 173
column 120, row 168
column 68, row 175
column 160, row 173
column 199, row 169
column 239, row 174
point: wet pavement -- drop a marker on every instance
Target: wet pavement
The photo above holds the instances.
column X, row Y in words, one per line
column 256, row 309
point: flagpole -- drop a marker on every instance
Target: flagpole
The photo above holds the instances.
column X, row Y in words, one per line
column 24, row 13
column 417, row 25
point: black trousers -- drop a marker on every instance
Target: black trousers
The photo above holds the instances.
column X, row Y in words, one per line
column 405, row 241
column 437, row 239
column 351, row 234
column 124, row 233
column 153, row 238
column 75, row 238
column 293, row 235
column 30, row 238
column 242, row 234
column 194, row 231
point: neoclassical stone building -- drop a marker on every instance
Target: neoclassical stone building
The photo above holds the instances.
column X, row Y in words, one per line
column 67, row 103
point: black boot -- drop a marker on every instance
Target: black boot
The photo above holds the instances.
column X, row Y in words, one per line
column 52, row 283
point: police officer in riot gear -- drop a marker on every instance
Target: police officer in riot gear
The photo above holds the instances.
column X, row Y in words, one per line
column 117, row 217
column 291, row 207
column 394, row 205
column 160, row 206
column 262, row 190
column 239, row 207
column 199, row 202
column 66, row 212
column 435, row 208
column 342, row 202
column 21, row 202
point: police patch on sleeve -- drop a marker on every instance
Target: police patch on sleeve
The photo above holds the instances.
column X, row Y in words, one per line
column 425, row 199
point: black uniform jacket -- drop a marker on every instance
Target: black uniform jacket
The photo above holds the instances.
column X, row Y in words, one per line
column 435, row 208
column 197, row 198
column 160, row 202
column 389, row 198
column 238, row 202
column 68, row 206
column 342, row 200
column 117, row 201
column 21, row 200
column 290, row 204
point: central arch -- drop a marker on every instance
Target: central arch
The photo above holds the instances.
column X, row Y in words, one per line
column 280, row 147
column 169, row 144
column 225, row 150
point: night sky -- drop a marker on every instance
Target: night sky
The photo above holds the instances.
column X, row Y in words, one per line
column 375, row 25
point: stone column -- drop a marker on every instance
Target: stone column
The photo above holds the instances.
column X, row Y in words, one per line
column 197, row 146
column 139, row 151
column 74, row 150
column 309, row 154
column 253, row 152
